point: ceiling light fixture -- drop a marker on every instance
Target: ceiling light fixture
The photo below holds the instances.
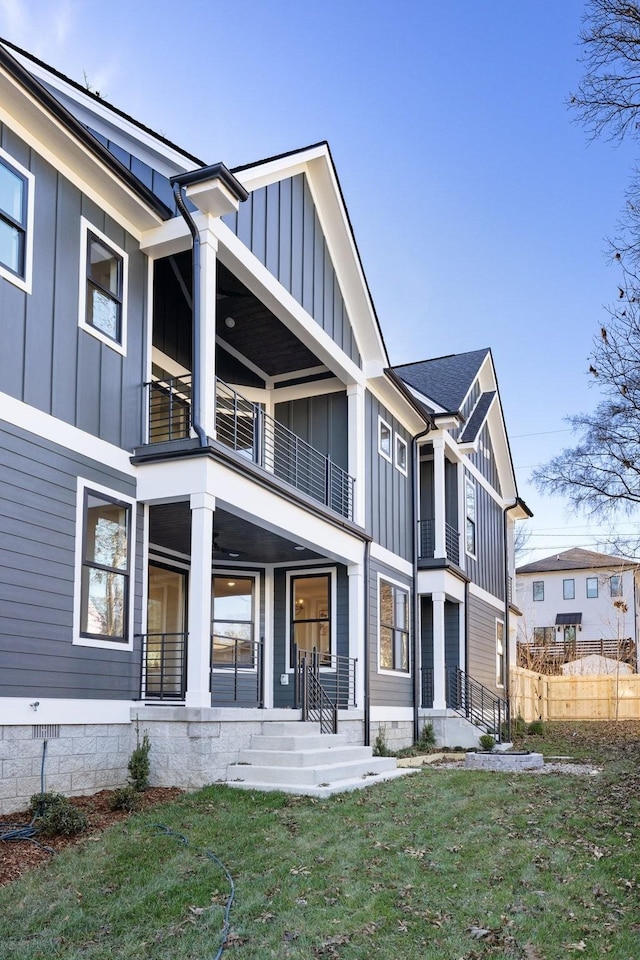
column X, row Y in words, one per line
column 229, row 322
column 299, row 548
column 232, row 554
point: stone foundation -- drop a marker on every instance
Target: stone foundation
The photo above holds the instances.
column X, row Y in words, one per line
column 504, row 761
column 397, row 733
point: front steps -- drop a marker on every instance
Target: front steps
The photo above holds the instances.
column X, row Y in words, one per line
column 293, row 757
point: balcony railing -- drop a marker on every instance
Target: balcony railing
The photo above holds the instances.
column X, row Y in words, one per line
column 246, row 429
column 427, row 541
column 237, row 672
column 164, row 662
column 323, row 685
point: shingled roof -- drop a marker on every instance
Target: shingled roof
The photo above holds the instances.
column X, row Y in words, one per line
column 576, row 559
column 445, row 380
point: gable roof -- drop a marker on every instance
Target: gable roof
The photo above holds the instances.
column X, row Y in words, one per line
column 445, row 380
column 576, row 559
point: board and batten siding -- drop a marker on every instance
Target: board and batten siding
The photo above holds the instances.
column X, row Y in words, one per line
column 46, row 360
column 322, row 421
column 487, row 568
column 481, row 644
column 38, row 488
column 280, row 225
column 385, row 689
column 484, row 459
column 389, row 504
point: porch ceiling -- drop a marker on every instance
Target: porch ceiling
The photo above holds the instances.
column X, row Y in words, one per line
column 170, row 527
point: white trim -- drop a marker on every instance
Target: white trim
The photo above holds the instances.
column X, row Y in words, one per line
column 407, row 589
column 481, row 594
column 333, row 587
column 63, row 434
column 399, row 441
column 246, row 575
column 85, row 228
column 470, row 484
column 500, row 681
column 171, row 366
column 383, row 423
column 78, row 640
column 22, row 712
column 399, row 564
column 24, row 283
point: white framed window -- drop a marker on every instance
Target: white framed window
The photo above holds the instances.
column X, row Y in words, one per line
column 401, row 454
column 500, row 661
column 568, row 589
column 470, row 516
column 102, row 298
column 235, row 606
column 393, row 627
column 105, row 568
column 17, row 190
column 311, row 596
column 538, row 589
column 385, row 435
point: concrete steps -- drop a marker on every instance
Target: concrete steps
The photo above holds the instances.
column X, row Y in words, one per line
column 294, row 758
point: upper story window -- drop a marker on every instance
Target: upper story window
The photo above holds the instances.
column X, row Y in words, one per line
column 615, row 585
column 592, row 588
column 538, row 589
column 106, row 548
column 385, row 435
column 568, row 589
column 500, row 661
column 394, row 627
column 16, row 216
column 470, row 516
column 103, row 288
column 401, row 454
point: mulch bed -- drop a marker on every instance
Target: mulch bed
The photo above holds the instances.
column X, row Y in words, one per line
column 17, row 856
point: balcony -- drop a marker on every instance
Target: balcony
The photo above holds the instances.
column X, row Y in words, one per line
column 427, row 541
column 245, row 428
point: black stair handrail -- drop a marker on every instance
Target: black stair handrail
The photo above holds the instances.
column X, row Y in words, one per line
column 316, row 705
column 478, row 704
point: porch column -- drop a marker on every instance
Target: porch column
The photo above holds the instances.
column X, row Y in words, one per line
column 355, row 572
column 199, row 642
column 439, row 497
column 356, row 426
column 268, row 652
column 208, row 300
column 439, row 688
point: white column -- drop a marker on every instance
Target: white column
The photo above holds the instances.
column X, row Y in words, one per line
column 356, row 418
column 438, row 497
column 439, row 689
column 355, row 573
column 268, row 653
column 199, row 642
column 207, row 370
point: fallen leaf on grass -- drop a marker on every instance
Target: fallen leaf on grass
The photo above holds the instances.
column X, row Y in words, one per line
column 531, row 952
column 579, row 946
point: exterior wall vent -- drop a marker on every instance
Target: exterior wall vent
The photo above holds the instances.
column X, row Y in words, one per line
column 45, row 731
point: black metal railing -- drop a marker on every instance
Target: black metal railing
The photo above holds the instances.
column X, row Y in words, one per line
column 323, row 685
column 237, row 672
column 169, row 409
column 164, row 666
column 478, row 704
column 427, row 541
column 426, row 687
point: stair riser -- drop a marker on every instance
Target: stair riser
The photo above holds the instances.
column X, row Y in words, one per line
column 305, row 742
column 340, row 786
column 310, row 775
column 304, row 758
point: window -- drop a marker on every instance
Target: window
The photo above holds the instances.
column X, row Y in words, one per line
column 103, row 286
column 615, row 585
column 311, row 615
column 104, row 592
column 401, row 454
column 543, row 635
column 538, row 589
column 384, row 439
column 568, row 589
column 569, row 633
column 470, row 516
column 500, row 674
column 394, row 627
column 16, row 218
column 592, row 588
column 232, row 628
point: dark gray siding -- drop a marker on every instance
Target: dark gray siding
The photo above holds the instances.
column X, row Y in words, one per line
column 387, row 690
column 451, row 635
column 46, row 359
column 481, row 643
column 488, row 568
column 37, row 540
column 451, row 493
column 280, row 225
column 321, row 421
column 389, row 494
column 485, row 460
column 151, row 178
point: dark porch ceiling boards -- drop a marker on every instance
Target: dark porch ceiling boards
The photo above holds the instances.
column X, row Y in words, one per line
column 258, row 335
column 170, row 527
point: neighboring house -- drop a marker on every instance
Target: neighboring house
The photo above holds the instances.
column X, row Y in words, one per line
column 215, row 493
column 578, row 604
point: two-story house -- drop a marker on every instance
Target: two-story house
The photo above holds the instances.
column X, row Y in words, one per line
column 220, row 507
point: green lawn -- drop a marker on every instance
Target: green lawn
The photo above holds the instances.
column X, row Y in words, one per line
column 446, row 864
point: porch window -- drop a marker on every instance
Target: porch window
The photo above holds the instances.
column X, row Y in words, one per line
column 104, row 600
column 394, row 627
column 233, row 625
column 311, row 615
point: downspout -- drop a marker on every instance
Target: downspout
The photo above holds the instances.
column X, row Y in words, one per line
column 417, row 638
column 505, row 638
column 196, row 421
column 367, row 684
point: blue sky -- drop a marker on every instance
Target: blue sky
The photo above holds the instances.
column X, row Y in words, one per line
column 479, row 207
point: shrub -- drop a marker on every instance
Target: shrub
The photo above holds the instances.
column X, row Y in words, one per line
column 57, row 816
column 139, row 765
column 427, row 739
column 518, row 726
column 487, row 741
column 126, row 798
column 536, row 728
column 380, row 748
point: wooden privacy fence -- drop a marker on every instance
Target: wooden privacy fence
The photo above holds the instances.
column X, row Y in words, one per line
column 534, row 696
